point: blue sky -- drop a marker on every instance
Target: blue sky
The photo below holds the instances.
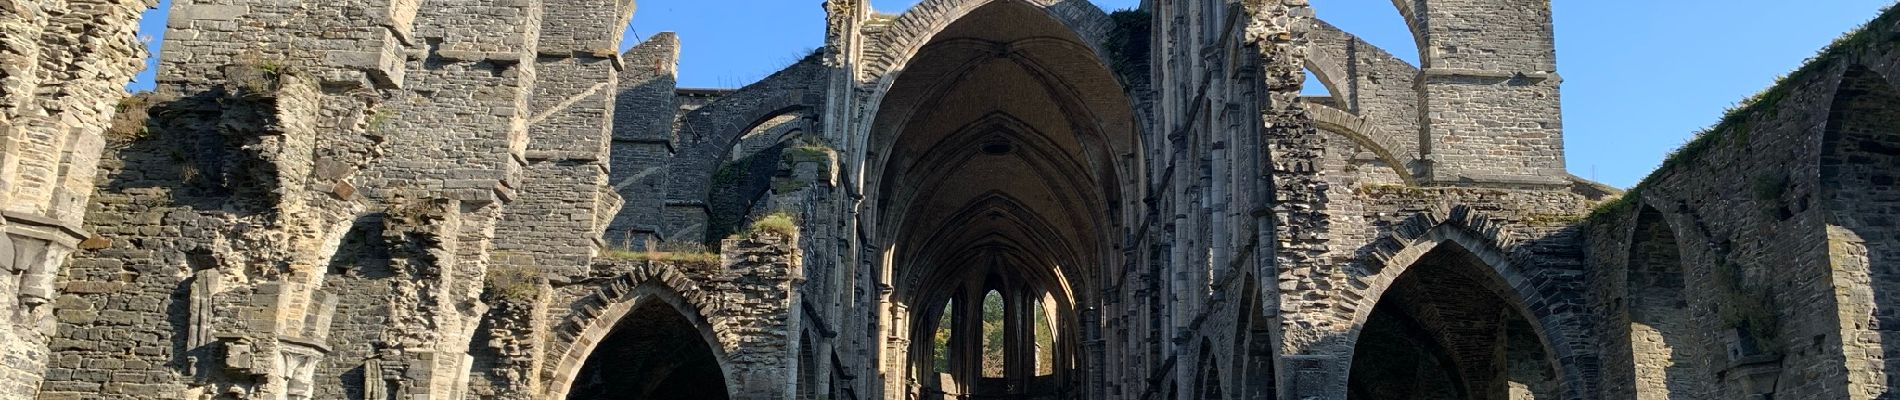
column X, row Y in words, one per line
column 1640, row 76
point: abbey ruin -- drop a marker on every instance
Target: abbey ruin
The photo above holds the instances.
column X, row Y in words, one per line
column 971, row 199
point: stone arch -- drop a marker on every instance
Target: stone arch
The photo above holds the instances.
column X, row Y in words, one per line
column 1553, row 317
column 1859, row 165
column 997, row 206
column 915, row 27
column 1207, row 385
column 1343, row 63
column 1050, row 161
column 1253, row 344
column 1664, row 348
column 911, row 35
column 1408, row 10
column 598, row 314
column 708, row 134
column 1357, row 129
column 1329, row 73
column 774, row 130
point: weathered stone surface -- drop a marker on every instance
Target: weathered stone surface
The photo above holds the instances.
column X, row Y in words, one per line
column 479, row 199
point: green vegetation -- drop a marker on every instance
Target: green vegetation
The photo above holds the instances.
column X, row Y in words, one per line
column 1734, row 123
column 809, row 148
column 1746, row 307
column 379, row 119
column 942, row 339
column 254, row 73
column 993, row 360
column 780, row 223
column 513, row 283
column 132, row 121
column 688, row 253
column 728, row 174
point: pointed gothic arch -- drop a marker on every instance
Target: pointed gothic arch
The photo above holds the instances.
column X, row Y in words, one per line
column 610, row 310
column 1666, row 345
column 1859, row 165
column 1478, row 245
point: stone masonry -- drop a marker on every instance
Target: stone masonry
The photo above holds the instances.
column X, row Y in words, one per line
column 971, row 199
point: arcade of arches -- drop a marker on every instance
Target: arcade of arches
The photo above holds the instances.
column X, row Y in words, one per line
column 967, row 200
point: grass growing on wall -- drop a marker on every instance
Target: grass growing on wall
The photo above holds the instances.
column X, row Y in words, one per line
column 778, row 223
column 671, row 252
column 1734, row 126
column 131, row 122
column 513, row 283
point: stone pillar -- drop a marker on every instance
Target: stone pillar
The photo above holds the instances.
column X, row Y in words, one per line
column 1489, row 92
column 464, row 127
column 643, row 140
column 553, row 226
column 763, row 274
column 1314, row 359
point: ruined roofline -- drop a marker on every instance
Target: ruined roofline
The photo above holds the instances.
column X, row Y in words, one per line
column 704, row 92
column 1858, row 40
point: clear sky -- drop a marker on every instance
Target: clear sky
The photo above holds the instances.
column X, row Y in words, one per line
column 1640, row 76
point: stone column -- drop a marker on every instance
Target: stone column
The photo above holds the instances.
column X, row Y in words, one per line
column 553, row 226
column 1314, row 359
column 763, row 273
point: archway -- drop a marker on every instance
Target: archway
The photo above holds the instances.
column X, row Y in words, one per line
column 1860, row 163
column 993, row 174
column 1665, row 354
column 655, row 353
column 1209, row 386
column 1254, row 377
column 1441, row 331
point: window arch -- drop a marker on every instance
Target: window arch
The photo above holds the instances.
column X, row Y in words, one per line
column 940, row 340
column 994, row 324
column 1044, row 333
column 997, row 333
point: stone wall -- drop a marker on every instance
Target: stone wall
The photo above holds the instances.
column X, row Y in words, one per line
column 66, row 64
column 367, row 171
column 643, row 141
column 1489, row 91
column 1767, row 214
column 708, row 133
column 370, row 199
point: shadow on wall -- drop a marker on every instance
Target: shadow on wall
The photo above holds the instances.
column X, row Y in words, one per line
column 1439, row 332
column 655, row 354
column 1860, row 177
column 1664, row 345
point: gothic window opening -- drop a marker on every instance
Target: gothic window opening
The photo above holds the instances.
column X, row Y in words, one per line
column 941, row 340
column 1005, row 340
column 994, row 323
column 1045, row 334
